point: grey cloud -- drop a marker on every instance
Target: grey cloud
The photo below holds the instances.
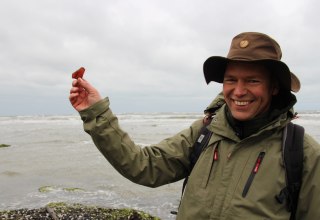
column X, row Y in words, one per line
column 137, row 49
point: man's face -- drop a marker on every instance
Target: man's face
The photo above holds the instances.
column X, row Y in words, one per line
column 247, row 90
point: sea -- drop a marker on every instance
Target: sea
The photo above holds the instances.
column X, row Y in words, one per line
column 51, row 159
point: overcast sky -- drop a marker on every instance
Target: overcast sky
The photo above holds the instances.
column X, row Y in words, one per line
column 146, row 55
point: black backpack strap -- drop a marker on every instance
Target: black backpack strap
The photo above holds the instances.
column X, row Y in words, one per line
column 293, row 162
column 202, row 141
column 198, row 147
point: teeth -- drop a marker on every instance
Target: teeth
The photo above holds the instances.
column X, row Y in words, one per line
column 241, row 102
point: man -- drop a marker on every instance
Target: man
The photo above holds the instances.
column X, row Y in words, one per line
column 241, row 171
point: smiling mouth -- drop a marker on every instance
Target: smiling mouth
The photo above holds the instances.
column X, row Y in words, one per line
column 241, row 103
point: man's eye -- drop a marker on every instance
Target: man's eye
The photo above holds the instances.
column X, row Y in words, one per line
column 253, row 81
column 229, row 80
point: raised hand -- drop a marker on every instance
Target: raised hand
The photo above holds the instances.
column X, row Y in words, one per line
column 83, row 94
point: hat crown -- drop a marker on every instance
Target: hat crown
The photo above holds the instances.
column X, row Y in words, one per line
column 251, row 46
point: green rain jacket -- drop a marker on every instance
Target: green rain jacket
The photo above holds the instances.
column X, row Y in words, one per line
column 227, row 182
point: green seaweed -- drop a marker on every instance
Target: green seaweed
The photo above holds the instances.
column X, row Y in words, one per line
column 4, row 145
column 44, row 189
column 57, row 204
column 73, row 189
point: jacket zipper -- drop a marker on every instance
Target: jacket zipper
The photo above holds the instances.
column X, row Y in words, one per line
column 209, row 169
column 253, row 173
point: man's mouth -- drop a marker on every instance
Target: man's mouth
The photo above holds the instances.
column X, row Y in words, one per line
column 241, row 103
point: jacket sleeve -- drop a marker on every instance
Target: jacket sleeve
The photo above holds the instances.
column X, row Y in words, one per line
column 152, row 166
column 309, row 199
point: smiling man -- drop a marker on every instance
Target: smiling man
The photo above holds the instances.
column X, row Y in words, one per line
column 240, row 174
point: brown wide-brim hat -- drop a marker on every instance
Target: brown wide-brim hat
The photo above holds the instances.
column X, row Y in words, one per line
column 253, row 47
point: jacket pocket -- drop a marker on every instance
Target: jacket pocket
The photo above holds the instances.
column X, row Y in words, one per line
column 253, row 173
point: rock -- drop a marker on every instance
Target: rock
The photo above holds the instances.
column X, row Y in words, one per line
column 63, row 211
column 4, row 145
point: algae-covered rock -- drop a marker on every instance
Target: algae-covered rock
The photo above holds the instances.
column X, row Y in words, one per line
column 45, row 189
column 4, row 145
column 63, row 211
column 73, row 189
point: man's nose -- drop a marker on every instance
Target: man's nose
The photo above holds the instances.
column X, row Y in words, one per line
column 240, row 89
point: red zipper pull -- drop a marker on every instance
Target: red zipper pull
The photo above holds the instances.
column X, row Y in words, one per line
column 215, row 154
column 258, row 162
column 253, row 173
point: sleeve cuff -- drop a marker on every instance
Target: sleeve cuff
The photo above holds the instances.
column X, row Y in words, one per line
column 94, row 110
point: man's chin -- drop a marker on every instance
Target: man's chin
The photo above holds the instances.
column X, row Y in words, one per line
column 241, row 116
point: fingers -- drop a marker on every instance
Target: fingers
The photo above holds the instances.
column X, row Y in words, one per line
column 73, row 97
column 74, row 82
column 76, row 90
column 77, row 99
column 80, row 82
column 83, row 94
column 77, row 85
column 75, row 93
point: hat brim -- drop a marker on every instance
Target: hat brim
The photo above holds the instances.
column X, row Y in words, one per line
column 215, row 67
